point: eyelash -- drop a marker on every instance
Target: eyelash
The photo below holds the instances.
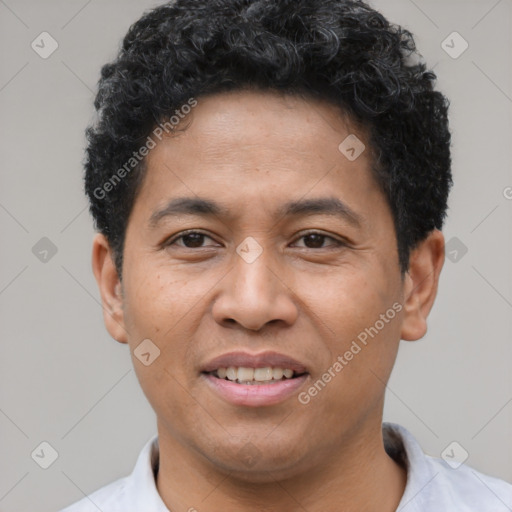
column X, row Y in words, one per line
column 173, row 239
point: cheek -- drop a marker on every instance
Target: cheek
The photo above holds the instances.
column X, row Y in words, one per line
column 363, row 329
column 157, row 298
column 160, row 306
column 153, row 307
column 345, row 301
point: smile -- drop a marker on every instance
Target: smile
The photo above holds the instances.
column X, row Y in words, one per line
column 252, row 392
column 254, row 376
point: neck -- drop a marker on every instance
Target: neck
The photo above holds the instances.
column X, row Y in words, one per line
column 356, row 475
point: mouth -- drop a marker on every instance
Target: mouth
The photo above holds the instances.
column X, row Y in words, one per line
column 255, row 376
column 254, row 379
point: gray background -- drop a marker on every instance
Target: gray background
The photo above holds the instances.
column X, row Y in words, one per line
column 64, row 381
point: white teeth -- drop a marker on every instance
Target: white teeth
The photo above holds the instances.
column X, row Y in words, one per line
column 277, row 373
column 231, row 373
column 261, row 374
column 245, row 375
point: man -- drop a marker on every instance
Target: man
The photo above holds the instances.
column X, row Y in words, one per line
column 269, row 180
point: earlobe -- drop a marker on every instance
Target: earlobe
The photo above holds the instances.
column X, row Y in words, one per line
column 420, row 285
column 110, row 288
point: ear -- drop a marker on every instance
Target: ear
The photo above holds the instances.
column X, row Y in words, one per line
column 110, row 288
column 420, row 286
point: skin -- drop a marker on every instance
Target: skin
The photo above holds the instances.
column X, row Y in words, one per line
column 251, row 152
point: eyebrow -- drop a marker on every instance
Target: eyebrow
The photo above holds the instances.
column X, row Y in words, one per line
column 188, row 206
column 209, row 208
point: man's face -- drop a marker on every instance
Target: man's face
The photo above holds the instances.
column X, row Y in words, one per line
column 268, row 275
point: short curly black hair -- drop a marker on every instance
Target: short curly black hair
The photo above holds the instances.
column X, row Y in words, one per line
column 342, row 51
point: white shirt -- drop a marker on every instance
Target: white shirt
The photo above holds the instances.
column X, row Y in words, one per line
column 432, row 484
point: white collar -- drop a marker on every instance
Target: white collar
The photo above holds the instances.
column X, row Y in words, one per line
column 432, row 485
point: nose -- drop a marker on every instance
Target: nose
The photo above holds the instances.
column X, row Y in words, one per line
column 254, row 294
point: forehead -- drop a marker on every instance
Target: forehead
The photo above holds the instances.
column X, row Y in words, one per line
column 242, row 119
column 260, row 146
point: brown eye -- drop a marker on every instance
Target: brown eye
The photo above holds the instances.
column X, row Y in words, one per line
column 189, row 240
column 316, row 241
column 193, row 240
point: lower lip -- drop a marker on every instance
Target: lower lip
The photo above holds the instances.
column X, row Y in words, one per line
column 255, row 395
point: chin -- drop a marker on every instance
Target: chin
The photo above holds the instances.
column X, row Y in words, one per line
column 259, row 462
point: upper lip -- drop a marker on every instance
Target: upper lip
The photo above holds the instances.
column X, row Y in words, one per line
column 259, row 360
